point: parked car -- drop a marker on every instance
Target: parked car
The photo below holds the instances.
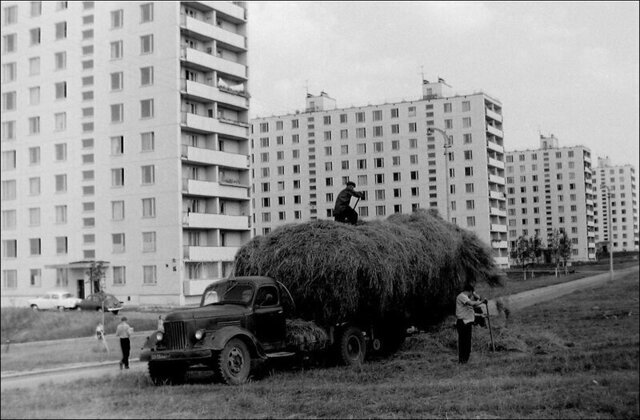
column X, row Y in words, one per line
column 58, row 300
column 94, row 303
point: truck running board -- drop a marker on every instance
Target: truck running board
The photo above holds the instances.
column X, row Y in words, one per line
column 280, row 354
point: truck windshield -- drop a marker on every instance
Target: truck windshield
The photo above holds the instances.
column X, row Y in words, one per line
column 228, row 292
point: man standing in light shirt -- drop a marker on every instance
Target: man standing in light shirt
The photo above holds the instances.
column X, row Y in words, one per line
column 465, row 302
column 124, row 331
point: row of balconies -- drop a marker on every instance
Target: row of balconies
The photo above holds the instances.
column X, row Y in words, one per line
column 235, row 41
column 216, row 221
column 209, row 253
column 211, row 62
column 216, row 189
column 206, row 124
column 209, row 92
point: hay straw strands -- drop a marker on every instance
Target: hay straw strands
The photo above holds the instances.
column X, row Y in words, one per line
column 409, row 263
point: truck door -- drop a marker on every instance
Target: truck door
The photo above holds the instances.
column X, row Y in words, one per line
column 270, row 322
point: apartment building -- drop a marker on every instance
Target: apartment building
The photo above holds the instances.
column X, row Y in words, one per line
column 551, row 188
column 442, row 151
column 125, row 139
column 622, row 223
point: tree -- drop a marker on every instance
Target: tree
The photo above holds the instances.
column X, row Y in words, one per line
column 564, row 252
column 559, row 245
column 520, row 253
column 535, row 248
column 96, row 276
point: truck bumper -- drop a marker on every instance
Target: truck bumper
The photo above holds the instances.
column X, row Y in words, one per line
column 187, row 356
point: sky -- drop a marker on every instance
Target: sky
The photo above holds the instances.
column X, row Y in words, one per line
column 564, row 68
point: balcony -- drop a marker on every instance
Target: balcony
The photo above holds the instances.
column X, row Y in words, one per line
column 212, row 31
column 215, row 221
column 492, row 114
column 228, row 8
column 212, row 62
column 491, row 145
column 214, row 157
column 498, row 228
column 496, row 179
column 495, row 131
column 205, row 124
column 499, row 244
column 215, row 189
column 494, row 211
column 502, row 262
column 208, row 92
column 497, row 195
column 210, row 253
column 195, row 287
column 495, row 163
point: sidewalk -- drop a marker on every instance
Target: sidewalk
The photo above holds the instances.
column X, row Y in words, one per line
column 517, row 301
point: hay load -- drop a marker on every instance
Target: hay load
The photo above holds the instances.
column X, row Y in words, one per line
column 415, row 264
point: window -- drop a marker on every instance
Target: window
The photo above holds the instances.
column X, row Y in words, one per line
column 466, row 106
column 146, row 44
column 469, row 188
column 148, row 174
column 116, row 19
column 359, row 117
column 117, row 240
column 9, row 279
column 61, row 183
column 146, row 12
column 148, row 242
column 117, row 210
column 60, row 119
column 35, row 36
column 377, row 115
column 9, row 160
column 471, row 221
column 466, row 122
column 448, row 124
column 61, row 245
column 8, row 219
column 361, row 133
column 149, row 274
column 116, row 50
column 10, row 248
column 377, row 131
column 146, row 108
column 9, row 189
column 413, row 127
column 10, row 43
column 35, row 277
column 9, row 101
column 61, row 30
column 116, row 80
column 61, row 214
column 8, row 130
column 146, row 76
column 61, row 152
column 119, row 276
column 117, row 177
column 117, row 113
column 34, row 186
column 148, row 207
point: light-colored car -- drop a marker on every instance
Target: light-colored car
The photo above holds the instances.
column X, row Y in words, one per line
column 57, row 300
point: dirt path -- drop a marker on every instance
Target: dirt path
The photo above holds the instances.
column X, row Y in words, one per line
column 72, row 373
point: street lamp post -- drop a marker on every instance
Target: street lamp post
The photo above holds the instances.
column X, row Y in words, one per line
column 447, row 145
column 610, row 229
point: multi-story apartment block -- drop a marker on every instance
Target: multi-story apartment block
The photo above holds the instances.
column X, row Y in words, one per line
column 551, row 188
column 124, row 140
column 620, row 182
column 394, row 152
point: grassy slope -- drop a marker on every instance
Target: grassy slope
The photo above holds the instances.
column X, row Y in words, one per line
column 576, row 357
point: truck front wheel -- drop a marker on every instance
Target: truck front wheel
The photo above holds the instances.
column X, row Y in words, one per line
column 352, row 347
column 234, row 362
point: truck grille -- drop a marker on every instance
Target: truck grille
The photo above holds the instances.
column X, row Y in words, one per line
column 175, row 335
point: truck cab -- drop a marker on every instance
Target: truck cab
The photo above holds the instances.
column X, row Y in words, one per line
column 240, row 322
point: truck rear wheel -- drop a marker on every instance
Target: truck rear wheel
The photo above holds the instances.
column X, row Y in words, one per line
column 166, row 373
column 353, row 348
column 234, row 362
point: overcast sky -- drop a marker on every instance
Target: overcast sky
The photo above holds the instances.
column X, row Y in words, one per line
column 567, row 68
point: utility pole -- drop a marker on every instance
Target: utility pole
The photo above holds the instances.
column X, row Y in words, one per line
column 447, row 145
column 610, row 229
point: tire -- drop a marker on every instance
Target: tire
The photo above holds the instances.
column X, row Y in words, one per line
column 34, row 308
column 99, row 309
column 234, row 362
column 167, row 373
column 114, row 312
column 352, row 347
column 60, row 308
column 78, row 308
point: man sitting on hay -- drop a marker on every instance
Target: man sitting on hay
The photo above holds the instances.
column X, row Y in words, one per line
column 342, row 212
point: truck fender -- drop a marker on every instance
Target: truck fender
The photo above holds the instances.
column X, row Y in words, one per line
column 223, row 335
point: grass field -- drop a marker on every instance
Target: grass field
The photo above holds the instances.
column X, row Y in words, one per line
column 574, row 357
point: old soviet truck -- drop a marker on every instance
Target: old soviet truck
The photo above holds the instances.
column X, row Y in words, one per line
column 243, row 321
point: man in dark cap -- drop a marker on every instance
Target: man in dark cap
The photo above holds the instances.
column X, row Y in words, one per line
column 342, row 212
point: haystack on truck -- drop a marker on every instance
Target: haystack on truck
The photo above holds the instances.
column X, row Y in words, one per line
column 321, row 290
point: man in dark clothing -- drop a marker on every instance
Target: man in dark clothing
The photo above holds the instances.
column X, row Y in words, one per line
column 342, row 212
column 465, row 303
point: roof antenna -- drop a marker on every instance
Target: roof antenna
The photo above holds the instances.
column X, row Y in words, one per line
column 422, row 73
column 306, row 86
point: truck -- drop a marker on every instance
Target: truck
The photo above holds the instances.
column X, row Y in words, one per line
column 243, row 322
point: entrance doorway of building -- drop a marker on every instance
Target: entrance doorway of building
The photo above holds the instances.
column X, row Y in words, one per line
column 80, row 283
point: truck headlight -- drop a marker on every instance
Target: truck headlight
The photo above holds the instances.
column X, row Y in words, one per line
column 199, row 334
column 159, row 336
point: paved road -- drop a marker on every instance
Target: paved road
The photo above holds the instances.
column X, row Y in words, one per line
column 71, row 373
